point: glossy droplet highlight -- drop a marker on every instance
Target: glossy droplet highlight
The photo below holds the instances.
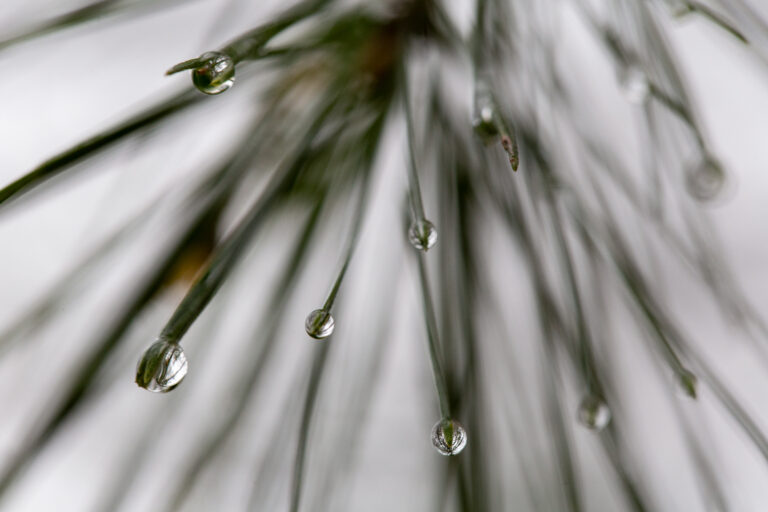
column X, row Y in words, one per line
column 319, row 324
column 215, row 74
column 449, row 437
column 594, row 413
column 162, row 367
column 483, row 120
column 705, row 180
column 422, row 235
column 634, row 82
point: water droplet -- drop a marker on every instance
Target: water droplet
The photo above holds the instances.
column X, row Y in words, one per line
column 422, row 235
column 449, row 437
column 484, row 114
column 216, row 74
column 634, row 83
column 319, row 324
column 162, row 367
column 594, row 413
column 689, row 383
column 705, row 180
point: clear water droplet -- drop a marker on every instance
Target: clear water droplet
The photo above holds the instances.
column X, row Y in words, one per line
column 162, row 367
column 216, row 74
column 705, row 180
column 486, row 131
column 422, row 235
column 634, row 82
column 484, row 113
column 319, row 324
column 689, row 383
column 594, row 413
column 449, row 437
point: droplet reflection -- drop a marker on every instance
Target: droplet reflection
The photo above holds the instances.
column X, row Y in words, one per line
column 319, row 324
column 422, row 235
column 705, row 180
column 216, row 74
column 449, row 437
column 162, row 367
column 594, row 413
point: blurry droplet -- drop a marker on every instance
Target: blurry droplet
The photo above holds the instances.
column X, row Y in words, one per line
column 705, row 180
column 422, row 235
column 634, row 83
column 319, row 324
column 486, row 114
column 162, row 367
column 483, row 119
column 594, row 413
column 689, row 383
column 449, row 437
column 216, row 74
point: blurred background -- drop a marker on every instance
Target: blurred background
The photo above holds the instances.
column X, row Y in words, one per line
column 270, row 419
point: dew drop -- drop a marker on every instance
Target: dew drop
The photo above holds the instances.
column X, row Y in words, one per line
column 486, row 114
column 422, row 235
column 634, row 83
column 216, row 74
column 162, row 367
column 483, row 123
column 705, row 180
column 449, row 437
column 319, row 324
column 594, row 413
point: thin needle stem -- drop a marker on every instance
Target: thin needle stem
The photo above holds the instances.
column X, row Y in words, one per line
column 433, row 341
column 417, row 203
column 359, row 214
column 585, row 350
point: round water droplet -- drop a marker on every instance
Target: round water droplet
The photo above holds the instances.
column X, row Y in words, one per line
column 705, row 180
column 486, row 114
column 162, row 367
column 216, row 74
column 319, row 324
column 449, row 437
column 594, row 413
column 635, row 84
column 422, row 235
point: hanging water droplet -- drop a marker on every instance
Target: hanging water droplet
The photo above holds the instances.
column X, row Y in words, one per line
column 705, row 180
column 319, row 324
column 483, row 119
column 594, row 413
column 449, row 437
column 162, row 367
column 634, row 82
column 486, row 114
column 215, row 74
column 422, row 235
column 689, row 383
